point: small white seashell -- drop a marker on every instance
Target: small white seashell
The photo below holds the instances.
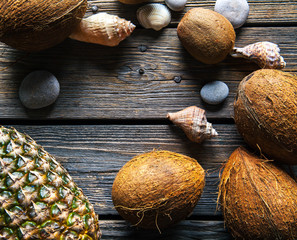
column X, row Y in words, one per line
column 154, row 15
column 176, row 5
column 265, row 54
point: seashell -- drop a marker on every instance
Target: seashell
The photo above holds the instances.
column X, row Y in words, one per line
column 103, row 28
column 193, row 122
column 154, row 15
column 176, row 5
column 265, row 54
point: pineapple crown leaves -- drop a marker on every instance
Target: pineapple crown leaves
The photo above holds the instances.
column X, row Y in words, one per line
column 38, row 198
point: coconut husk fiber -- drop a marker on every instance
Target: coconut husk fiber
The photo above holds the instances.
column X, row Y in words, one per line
column 157, row 189
column 265, row 113
column 258, row 199
column 33, row 25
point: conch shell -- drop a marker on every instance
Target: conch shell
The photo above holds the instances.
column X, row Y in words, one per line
column 154, row 15
column 103, row 28
column 265, row 54
column 193, row 122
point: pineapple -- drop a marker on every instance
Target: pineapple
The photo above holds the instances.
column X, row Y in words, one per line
column 38, row 198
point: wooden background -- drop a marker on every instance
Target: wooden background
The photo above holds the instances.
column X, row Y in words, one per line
column 108, row 112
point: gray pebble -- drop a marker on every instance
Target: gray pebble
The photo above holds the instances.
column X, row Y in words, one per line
column 176, row 5
column 214, row 92
column 94, row 8
column 39, row 89
column 236, row 11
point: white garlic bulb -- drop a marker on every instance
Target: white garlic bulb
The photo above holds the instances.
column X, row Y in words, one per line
column 154, row 15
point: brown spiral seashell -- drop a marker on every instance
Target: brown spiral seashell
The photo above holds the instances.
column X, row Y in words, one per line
column 193, row 122
column 265, row 54
column 103, row 28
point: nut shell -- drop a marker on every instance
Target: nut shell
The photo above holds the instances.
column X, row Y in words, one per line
column 207, row 35
column 258, row 199
column 157, row 189
column 36, row 25
column 265, row 113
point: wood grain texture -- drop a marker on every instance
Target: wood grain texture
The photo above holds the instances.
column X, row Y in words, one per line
column 185, row 230
column 93, row 154
column 261, row 12
column 100, row 82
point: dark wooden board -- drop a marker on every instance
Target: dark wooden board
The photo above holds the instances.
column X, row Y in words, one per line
column 261, row 12
column 100, row 82
column 93, row 154
column 185, row 230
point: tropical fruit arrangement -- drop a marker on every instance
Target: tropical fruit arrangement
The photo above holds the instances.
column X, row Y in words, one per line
column 154, row 190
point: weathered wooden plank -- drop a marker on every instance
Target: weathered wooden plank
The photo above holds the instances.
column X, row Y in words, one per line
column 93, row 154
column 185, row 230
column 267, row 11
column 100, row 82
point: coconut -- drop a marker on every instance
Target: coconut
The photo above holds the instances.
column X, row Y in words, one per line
column 258, row 199
column 158, row 189
column 265, row 112
column 36, row 25
column 207, row 35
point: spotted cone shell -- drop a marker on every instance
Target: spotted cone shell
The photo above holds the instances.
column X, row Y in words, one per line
column 265, row 54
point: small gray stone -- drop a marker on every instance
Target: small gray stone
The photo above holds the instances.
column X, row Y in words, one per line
column 176, row 5
column 236, row 11
column 39, row 89
column 214, row 92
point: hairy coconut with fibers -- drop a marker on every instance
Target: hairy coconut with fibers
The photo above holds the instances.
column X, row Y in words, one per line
column 158, row 189
column 258, row 199
column 265, row 112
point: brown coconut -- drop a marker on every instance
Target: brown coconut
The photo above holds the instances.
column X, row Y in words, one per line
column 157, row 189
column 207, row 35
column 258, row 199
column 36, row 25
column 265, row 112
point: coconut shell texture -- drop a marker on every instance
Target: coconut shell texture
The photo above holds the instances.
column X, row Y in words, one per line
column 207, row 35
column 258, row 199
column 265, row 112
column 157, row 189
column 34, row 25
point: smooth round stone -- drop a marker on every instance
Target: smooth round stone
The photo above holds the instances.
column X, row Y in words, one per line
column 39, row 89
column 176, row 5
column 236, row 11
column 214, row 92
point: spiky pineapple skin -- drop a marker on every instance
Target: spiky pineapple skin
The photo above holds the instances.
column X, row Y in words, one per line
column 38, row 198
